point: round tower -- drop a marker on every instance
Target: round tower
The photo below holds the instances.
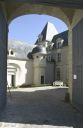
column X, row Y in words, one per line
column 39, row 64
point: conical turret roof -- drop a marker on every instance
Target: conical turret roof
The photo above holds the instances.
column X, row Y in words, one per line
column 48, row 32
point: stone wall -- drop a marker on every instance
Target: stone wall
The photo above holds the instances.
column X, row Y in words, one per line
column 23, row 73
column 3, row 58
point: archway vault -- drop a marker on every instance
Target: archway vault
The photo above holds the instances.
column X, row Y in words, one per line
column 65, row 10
column 14, row 10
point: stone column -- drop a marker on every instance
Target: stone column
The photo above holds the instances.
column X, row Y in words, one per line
column 70, row 82
column 3, row 58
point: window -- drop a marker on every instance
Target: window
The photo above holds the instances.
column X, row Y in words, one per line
column 58, row 73
column 44, row 57
column 37, row 57
column 59, row 43
column 49, row 58
column 12, row 52
column 42, row 79
column 59, row 57
column 40, row 37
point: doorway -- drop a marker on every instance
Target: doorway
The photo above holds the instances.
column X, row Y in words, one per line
column 13, row 80
column 42, row 79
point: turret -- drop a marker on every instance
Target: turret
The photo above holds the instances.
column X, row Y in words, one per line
column 39, row 64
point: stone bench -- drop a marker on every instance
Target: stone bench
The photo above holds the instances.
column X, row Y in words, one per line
column 58, row 83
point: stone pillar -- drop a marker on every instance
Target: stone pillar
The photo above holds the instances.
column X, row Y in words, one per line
column 70, row 82
column 3, row 58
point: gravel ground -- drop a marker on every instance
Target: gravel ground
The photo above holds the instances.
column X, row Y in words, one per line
column 40, row 107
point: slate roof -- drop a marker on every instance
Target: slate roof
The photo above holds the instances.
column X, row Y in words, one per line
column 62, row 36
column 39, row 49
column 21, row 49
column 44, row 31
column 47, row 32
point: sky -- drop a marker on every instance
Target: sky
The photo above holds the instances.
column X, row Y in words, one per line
column 27, row 28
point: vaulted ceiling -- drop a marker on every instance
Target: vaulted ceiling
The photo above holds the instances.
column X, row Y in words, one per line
column 67, row 7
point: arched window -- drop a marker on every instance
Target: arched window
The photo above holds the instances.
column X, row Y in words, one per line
column 12, row 52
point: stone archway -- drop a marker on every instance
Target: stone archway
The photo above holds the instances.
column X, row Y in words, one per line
column 58, row 12
column 10, row 10
column 40, row 9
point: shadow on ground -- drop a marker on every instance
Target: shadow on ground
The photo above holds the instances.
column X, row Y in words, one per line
column 41, row 107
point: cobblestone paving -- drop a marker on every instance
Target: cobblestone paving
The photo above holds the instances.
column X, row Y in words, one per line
column 42, row 107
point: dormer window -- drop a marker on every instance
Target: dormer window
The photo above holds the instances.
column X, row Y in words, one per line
column 40, row 37
column 59, row 43
column 11, row 52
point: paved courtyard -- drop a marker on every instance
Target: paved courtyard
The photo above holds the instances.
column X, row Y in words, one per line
column 41, row 107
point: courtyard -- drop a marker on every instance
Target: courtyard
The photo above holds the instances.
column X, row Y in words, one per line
column 39, row 107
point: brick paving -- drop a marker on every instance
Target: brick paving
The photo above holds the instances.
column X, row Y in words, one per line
column 41, row 107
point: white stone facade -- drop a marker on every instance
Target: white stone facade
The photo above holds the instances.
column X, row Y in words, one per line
column 22, row 70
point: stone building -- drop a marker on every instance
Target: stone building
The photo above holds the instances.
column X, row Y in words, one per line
column 19, row 66
column 42, row 63
column 60, row 55
column 45, row 39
